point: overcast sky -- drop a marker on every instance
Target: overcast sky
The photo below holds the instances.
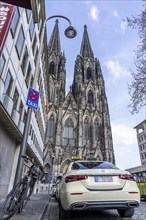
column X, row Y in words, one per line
column 113, row 43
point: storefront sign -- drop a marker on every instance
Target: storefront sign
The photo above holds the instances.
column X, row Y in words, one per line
column 20, row 3
column 6, row 15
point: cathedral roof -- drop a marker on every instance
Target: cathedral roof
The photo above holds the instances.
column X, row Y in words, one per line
column 86, row 50
column 54, row 43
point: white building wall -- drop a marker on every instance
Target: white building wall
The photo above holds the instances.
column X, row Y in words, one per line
column 9, row 148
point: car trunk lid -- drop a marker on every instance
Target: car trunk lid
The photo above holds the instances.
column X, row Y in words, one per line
column 102, row 179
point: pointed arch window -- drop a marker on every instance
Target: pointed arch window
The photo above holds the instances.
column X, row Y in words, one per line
column 52, row 68
column 89, row 73
column 51, row 93
column 90, row 97
column 68, row 133
column 51, row 127
column 86, row 129
column 96, row 130
column 96, row 70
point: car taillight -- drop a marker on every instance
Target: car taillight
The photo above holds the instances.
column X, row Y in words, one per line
column 126, row 177
column 72, row 178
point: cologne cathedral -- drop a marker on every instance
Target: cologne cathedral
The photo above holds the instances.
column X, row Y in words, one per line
column 78, row 121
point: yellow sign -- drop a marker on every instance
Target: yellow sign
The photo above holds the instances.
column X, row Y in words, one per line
column 76, row 158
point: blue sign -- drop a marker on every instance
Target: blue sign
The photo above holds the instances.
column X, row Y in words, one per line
column 32, row 98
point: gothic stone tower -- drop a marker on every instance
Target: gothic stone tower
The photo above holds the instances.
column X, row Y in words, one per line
column 79, row 122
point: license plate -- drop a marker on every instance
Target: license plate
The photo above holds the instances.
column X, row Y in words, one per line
column 103, row 179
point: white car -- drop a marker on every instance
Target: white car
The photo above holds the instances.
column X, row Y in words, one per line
column 97, row 185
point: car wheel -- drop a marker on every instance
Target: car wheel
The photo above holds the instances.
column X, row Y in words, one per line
column 63, row 214
column 126, row 212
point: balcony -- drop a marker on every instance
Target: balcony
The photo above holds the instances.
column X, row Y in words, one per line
column 8, row 103
column 7, row 122
column 29, row 141
column 21, row 126
column 15, row 116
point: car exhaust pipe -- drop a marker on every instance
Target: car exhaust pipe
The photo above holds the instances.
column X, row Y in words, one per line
column 78, row 207
column 133, row 204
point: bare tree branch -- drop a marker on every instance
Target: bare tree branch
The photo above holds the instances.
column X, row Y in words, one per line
column 137, row 88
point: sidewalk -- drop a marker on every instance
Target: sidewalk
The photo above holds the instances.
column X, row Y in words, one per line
column 34, row 208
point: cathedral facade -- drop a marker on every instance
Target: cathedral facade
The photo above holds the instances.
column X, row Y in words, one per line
column 79, row 121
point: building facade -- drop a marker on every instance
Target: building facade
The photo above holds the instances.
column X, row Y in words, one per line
column 141, row 139
column 79, row 121
column 17, row 73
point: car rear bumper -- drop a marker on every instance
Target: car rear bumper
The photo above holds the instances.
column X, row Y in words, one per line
column 104, row 205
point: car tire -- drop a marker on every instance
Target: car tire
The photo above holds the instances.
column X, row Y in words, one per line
column 63, row 214
column 126, row 212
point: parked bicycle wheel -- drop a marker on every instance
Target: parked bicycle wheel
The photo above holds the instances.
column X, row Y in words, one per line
column 26, row 199
column 13, row 200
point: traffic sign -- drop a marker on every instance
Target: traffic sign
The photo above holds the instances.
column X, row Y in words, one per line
column 32, row 98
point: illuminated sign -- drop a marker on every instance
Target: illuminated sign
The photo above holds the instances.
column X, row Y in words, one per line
column 29, row 4
column 76, row 158
column 6, row 15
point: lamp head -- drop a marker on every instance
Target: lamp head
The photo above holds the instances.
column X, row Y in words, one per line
column 70, row 32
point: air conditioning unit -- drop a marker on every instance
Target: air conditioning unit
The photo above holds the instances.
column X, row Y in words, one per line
column 8, row 104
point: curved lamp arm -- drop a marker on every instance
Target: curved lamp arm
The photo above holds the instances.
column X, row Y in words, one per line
column 58, row 16
column 70, row 32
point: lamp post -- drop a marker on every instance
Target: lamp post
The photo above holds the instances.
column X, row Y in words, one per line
column 70, row 32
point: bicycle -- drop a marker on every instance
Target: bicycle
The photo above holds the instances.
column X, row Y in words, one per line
column 21, row 192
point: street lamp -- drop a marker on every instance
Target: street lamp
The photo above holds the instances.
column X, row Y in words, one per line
column 70, row 32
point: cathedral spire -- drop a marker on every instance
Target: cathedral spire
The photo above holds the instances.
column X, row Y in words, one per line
column 54, row 43
column 86, row 50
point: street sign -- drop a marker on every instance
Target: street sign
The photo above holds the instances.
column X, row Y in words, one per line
column 32, row 98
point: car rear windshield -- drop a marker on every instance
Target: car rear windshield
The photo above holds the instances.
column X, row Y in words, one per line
column 93, row 165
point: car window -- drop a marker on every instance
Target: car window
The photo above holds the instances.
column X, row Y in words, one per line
column 93, row 165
